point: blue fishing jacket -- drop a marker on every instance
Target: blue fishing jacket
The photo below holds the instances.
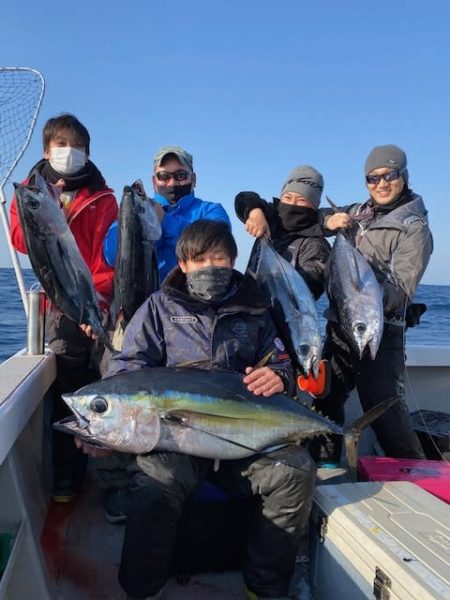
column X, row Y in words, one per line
column 176, row 218
column 172, row 328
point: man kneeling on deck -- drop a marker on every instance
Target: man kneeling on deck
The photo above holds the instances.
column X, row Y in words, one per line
column 210, row 314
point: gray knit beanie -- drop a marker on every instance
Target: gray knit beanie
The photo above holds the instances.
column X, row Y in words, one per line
column 389, row 156
column 307, row 182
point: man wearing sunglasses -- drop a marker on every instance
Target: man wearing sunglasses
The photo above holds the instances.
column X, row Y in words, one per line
column 391, row 230
column 174, row 181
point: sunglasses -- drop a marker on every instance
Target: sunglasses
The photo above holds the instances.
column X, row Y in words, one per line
column 179, row 175
column 391, row 176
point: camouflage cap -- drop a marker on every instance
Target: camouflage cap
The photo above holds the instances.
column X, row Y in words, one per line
column 184, row 157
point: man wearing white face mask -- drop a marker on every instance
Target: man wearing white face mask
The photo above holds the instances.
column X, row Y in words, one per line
column 90, row 207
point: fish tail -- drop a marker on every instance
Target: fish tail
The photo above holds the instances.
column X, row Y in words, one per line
column 353, row 432
column 332, row 204
column 104, row 339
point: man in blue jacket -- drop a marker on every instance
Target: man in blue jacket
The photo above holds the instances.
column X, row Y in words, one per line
column 174, row 181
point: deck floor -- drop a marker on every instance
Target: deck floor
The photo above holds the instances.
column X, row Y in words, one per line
column 82, row 552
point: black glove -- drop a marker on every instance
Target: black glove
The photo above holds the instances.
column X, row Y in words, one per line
column 244, row 202
column 413, row 314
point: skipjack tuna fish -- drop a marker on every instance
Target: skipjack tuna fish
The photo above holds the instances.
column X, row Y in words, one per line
column 136, row 269
column 197, row 412
column 292, row 305
column 357, row 295
column 55, row 256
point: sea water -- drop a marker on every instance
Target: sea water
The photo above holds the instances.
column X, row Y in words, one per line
column 434, row 328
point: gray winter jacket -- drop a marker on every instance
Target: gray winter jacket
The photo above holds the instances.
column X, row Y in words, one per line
column 397, row 243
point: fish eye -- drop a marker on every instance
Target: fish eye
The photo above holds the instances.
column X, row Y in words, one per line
column 33, row 204
column 98, row 405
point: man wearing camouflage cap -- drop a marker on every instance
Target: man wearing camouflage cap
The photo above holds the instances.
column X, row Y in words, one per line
column 174, row 181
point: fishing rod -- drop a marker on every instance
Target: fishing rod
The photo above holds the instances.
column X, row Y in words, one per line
column 21, row 94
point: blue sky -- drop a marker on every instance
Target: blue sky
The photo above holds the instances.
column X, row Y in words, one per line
column 250, row 88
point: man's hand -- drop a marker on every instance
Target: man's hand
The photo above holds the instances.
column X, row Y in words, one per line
column 90, row 449
column 257, row 224
column 158, row 210
column 263, row 381
column 88, row 331
column 338, row 221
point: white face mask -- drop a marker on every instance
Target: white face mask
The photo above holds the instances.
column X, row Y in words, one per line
column 67, row 160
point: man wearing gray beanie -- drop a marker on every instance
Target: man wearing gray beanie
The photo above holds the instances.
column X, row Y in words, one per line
column 391, row 230
column 292, row 223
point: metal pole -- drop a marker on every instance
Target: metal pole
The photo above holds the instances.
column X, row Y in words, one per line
column 36, row 320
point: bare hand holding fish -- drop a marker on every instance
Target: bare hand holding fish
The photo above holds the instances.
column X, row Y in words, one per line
column 257, row 224
column 263, row 381
column 340, row 220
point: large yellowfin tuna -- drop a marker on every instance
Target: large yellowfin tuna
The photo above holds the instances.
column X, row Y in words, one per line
column 55, row 256
column 202, row 413
column 357, row 296
column 292, row 305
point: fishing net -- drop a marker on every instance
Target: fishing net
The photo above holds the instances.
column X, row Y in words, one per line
column 21, row 92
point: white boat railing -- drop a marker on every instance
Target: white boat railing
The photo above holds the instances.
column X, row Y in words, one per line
column 24, row 491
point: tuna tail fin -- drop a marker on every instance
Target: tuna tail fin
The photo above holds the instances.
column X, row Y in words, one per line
column 358, row 281
column 352, row 433
column 332, row 204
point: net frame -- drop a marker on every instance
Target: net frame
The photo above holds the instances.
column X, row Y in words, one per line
column 21, row 111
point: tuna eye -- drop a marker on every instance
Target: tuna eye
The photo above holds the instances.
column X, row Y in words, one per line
column 98, row 405
column 33, row 204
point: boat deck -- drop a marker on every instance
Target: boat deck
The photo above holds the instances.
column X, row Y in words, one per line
column 82, row 552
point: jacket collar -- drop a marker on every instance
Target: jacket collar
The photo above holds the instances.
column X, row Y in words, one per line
column 182, row 205
column 246, row 295
column 401, row 214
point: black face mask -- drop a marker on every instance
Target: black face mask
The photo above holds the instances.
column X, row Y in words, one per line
column 174, row 193
column 296, row 217
column 209, row 284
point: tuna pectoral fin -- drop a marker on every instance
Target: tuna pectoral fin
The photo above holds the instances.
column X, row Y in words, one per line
column 266, row 453
column 352, row 433
column 173, row 418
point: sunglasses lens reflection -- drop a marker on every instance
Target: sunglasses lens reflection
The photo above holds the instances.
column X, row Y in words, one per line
column 180, row 175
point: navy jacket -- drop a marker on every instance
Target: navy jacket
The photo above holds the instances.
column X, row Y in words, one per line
column 171, row 329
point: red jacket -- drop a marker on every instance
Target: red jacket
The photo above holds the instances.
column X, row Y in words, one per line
column 89, row 218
